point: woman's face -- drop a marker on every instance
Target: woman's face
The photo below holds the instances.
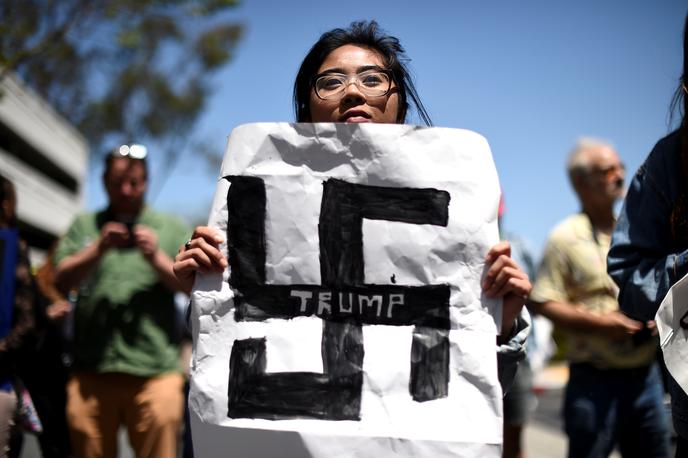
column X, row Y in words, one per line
column 354, row 105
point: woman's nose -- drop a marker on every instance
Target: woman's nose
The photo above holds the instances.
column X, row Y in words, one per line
column 352, row 92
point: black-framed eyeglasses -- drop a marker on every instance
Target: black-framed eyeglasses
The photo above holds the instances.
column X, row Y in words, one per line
column 133, row 151
column 372, row 83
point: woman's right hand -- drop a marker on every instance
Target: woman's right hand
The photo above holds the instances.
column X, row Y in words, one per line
column 199, row 254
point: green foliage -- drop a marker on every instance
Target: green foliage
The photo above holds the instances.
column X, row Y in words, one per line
column 120, row 70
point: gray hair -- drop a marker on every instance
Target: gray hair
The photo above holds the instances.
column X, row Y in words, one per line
column 578, row 164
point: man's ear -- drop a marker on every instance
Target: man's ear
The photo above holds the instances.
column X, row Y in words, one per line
column 103, row 182
column 579, row 182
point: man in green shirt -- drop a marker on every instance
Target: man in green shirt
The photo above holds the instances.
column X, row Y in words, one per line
column 126, row 353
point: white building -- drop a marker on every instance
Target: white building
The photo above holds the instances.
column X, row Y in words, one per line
column 46, row 159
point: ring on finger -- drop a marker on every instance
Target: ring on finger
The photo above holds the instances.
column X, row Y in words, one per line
column 187, row 245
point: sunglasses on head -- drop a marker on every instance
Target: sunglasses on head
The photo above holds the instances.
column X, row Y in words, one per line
column 134, row 151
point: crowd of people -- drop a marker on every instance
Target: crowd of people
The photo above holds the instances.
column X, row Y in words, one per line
column 115, row 273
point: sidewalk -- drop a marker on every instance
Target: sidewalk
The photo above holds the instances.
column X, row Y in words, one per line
column 553, row 377
column 543, row 435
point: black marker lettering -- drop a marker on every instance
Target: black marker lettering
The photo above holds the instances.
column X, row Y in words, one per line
column 394, row 299
column 303, row 295
column 324, row 299
column 343, row 301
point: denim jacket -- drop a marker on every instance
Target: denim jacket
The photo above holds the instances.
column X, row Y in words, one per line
column 644, row 260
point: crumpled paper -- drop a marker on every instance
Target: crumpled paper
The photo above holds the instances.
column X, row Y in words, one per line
column 294, row 161
column 673, row 337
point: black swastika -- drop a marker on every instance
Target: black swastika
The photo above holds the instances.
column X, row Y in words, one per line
column 342, row 301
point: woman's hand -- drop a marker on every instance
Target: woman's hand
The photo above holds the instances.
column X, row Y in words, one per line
column 505, row 279
column 199, row 254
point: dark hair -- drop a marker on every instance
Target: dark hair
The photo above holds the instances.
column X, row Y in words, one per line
column 7, row 192
column 369, row 35
column 111, row 156
column 678, row 220
column 680, row 100
column 682, row 90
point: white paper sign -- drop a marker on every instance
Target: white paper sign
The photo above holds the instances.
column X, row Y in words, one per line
column 672, row 323
column 351, row 322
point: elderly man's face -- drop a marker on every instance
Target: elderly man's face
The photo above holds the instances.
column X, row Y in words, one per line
column 605, row 179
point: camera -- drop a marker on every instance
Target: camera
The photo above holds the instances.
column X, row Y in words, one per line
column 129, row 223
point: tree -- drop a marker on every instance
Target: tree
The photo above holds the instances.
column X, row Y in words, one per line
column 120, row 70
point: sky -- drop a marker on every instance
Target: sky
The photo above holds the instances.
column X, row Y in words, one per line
column 530, row 76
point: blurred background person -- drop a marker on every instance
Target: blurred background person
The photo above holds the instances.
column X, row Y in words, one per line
column 18, row 333
column 614, row 393
column 45, row 374
column 649, row 251
column 126, row 355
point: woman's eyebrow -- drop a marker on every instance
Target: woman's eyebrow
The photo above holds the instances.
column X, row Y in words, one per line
column 368, row 67
column 333, row 70
column 341, row 71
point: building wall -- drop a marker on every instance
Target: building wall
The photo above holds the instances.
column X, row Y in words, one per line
column 46, row 159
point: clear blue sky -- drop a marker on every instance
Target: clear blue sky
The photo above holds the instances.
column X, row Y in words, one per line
column 531, row 76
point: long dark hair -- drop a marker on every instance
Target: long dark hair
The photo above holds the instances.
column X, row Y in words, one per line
column 679, row 214
column 369, row 35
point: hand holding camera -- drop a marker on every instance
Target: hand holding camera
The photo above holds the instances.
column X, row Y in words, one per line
column 115, row 234
column 122, row 235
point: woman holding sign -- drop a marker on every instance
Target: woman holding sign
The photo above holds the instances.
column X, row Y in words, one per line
column 356, row 75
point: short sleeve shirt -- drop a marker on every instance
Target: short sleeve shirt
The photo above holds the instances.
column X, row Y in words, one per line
column 573, row 271
column 125, row 319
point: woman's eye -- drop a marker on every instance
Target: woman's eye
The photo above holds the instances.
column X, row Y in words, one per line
column 371, row 80
column 331, row 83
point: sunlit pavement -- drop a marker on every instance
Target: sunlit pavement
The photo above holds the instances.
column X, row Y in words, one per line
column 544, row 437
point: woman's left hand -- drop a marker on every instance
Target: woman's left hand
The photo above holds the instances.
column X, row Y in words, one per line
column 505, row 279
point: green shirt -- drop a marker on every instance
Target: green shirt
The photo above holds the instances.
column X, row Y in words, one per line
column 125, row 319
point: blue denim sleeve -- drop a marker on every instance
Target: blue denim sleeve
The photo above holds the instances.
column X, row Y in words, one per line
column 641, row 260
column 513, row 351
